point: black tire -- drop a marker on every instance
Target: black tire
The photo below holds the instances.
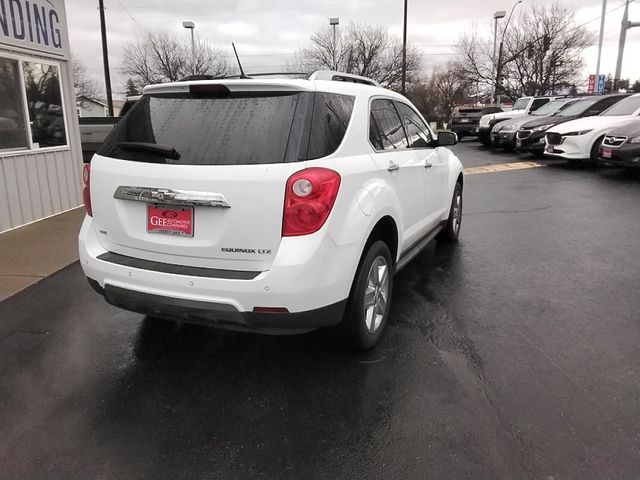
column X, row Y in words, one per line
column 451, row 231
column 353, row 330
column 593, row 155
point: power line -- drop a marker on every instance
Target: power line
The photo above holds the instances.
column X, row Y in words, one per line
column 296, row 7
column 130, row 16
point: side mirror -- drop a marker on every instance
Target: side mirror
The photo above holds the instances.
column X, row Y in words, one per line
column 447, row 138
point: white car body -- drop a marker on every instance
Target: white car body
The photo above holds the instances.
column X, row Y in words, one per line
column 581, row 137
column 247, row 264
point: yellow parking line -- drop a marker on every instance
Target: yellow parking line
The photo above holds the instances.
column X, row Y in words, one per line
column 503, row 167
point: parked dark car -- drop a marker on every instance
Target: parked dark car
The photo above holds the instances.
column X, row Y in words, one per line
column 504, row 133
column 464, row 120
column 621, row 146
column 530, row 136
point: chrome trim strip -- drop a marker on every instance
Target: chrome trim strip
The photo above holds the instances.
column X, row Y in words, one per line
column 167, row 196
column 611, row 141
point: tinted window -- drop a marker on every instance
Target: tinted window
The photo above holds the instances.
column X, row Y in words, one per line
column 236, row 129
column 605, row 103
column 45, row 105
column 538, row 103
column 385, row 126
column 417, row 131
column 553, row 107
column 13, row 132
column 331, row 114
column 578, row 108
column 624, row 107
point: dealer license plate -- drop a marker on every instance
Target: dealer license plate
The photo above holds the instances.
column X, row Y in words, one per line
column 464, row 120
column 518, row 143
column 170, row 220
column 606, row 153
column 548, row 149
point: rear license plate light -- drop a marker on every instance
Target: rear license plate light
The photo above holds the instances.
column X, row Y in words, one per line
column 170, row 220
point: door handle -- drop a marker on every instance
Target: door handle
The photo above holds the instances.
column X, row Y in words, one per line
column 393, row 167
column 428, row 164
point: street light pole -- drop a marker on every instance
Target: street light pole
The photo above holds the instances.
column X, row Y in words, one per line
column 191, row 26
column 496, row 16
column 499, row 69
column 334, row 22
column 105, row 59
column 604, row 12
column 404, row 50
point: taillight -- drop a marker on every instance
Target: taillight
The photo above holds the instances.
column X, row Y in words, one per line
column 308, row 200
column 86, row 189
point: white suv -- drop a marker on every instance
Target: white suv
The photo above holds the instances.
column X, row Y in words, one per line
column 274, row 206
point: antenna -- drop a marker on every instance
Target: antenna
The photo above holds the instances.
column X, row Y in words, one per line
column 242, row 75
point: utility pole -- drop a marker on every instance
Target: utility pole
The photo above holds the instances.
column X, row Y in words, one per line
column 496, row 16
column 404, row 51
column 105, row 59
column 604, row 12
column 626, row 25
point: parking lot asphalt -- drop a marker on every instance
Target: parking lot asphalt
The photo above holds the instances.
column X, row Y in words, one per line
column 513, row 355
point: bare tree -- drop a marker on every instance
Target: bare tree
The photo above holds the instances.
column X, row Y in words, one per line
column 437, row 94
column 84, row 85
column 542, row 53
column 360, row 49
column 161, row 57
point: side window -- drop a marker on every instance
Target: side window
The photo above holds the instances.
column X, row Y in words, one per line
column 537, row 103
column 417, row 131
column 603, row 104
column 331, row 115
column 385, row 126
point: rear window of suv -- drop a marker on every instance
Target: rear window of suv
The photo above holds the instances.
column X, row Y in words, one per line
column 232, row 129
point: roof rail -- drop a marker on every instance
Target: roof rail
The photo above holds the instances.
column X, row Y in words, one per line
column 342, row 77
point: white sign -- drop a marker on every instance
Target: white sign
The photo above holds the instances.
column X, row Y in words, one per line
column 36, row 25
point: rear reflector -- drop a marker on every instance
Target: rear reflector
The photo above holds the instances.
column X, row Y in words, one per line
column 270, row 310
column 86, row 189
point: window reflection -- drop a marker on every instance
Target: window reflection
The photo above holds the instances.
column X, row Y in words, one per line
column 44, row 100
column 13, row 133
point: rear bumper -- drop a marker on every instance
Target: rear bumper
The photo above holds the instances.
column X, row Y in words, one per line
column 310, row 277
column 219, row 314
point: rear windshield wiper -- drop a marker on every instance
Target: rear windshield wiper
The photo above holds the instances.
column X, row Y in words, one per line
column 160, row 150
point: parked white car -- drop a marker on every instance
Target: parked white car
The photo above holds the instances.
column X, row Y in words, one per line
column 579, row 140
column 267, row 205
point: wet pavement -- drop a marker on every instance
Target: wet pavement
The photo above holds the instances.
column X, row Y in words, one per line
column 514, row 354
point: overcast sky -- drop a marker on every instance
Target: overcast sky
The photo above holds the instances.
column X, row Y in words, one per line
column 267, row 32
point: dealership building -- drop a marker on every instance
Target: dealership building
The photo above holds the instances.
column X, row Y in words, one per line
column 40, row 155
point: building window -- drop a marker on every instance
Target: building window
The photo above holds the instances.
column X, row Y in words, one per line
column 45, row 105
column 39, row 84
column 13, row 130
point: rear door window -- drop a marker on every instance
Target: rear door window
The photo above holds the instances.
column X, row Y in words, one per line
column 385, row 127
column 331, row 114
column 417, row 132
column 231, row 129
column 537, row 103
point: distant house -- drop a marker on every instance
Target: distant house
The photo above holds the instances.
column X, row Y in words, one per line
column 90, row 107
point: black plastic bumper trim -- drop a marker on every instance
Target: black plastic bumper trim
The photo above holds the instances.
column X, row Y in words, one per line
column 222, row 315
column 176, row 269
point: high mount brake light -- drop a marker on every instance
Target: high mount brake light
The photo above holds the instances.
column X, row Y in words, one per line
column 309, row 198
column 209, row 89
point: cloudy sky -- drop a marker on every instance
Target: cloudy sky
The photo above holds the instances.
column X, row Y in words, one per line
column 268, row 32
